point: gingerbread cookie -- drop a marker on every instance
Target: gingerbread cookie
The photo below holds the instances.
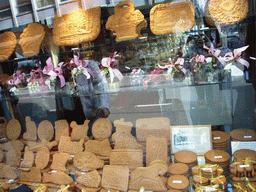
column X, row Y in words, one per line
column 122, row 127
column 67, row 146
column 125, row 20
column 7, row 171
column 59, row 178
column 13, row 158
column 31, row 132
column 87, row 161
column 59, row 161
column 28, row 158
column 79, row 131
column 33, row 175
column 115, row 177
column 90, row 179
column 42, row 157
column 36, row 146
column 13, row 129
column 132, row 158
column 61, row 129
column 8, row 43
column 99, row 147
column 45, row 130
column 16, row 145
column 101, row 128
column 127, row 141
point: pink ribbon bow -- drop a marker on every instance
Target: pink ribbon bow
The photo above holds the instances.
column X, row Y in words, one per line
column 212, row 50
column 107, row 62
column 18, row 77
column 53, row 72
column 180, row 61
column 235, row 56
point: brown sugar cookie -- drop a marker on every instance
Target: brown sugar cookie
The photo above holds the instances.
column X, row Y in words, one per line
column 87, row 161
column 61, row 128
column 125, row 20
column 131, row 158
column 148, row 177
column 8, row 43
column 13, row 158
column 121, row 127
column 59, row 178
column 90, row 179
column 13, row 129
column 31, row 130
column 127, row 141
column 67, row 146
column 42, row 157
column 35, row 146
column 115, row 177
column 172, row 17
column 7, row 171
column 185, row 156
column 28, row 158
column 99, row 147
column 244, row 153
column 79, row 131
column 31, row 39
column 156, row 149
column 101, row 128
column 33, row 175
column 17, row 145
column 178, row 169
column 45, row 130
column 60, row 160
column 243, row 135
column 178, row 182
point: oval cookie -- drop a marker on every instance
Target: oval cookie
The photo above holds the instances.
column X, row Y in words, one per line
column 13, row 129
column 101, row 128
column 45, row 130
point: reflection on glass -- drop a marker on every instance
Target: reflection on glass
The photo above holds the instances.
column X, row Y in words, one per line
column 43, row 3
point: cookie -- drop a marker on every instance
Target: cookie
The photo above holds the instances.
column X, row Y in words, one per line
column 8, row 43
column 45, row 130
column 59, row 178
column 42, row 157
column 31, row 130
column 61, row 129
column 60, row 160
column 121, row 127
column 67, row 146
column 28, row 158
column 101, row 128
column 79, row 131
column 33, row 175
column 90, row 179
column 99, row 147
column 13, row 129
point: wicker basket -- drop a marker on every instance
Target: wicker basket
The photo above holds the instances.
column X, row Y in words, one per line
column 77, row 27
column 227, row 12
column 172, row 17
column 8, row 43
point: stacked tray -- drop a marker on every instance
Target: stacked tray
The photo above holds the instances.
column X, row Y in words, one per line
column 243, row 135
column 179, row 169
column 178, row 182
column 221, row 141
column 219, row 157
column 187, row 157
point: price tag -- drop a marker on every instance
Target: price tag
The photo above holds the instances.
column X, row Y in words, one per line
column 177, row 181
column 207, row 169
column 242, row 166
column 217, row 157
column 247, row 137
column 216, row 138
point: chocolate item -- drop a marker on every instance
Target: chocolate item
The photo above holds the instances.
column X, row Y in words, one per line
column 156, row 126
column 99, row 147
column 31, row 39
column 90, row 179
column 87, row 161
column 115, row 177
column 79, row 131
column 45, row 130
column 61, row 129
column 172, row 17
column 33, row 175
column 13, row 158
column 59, row 178
column 156, row 149
column 69, row 31
column 132, row 158
column 67, row 146
column 28, row 158
column 8, row 43
column 7, row 171
column 42, row 157
column 101, row 128
column 228, row 12
column 149, row 177
column 124, row 21
column 178, row 182
column 243, row 135
column 59, row 161
column 13, row 129
column 31, row 130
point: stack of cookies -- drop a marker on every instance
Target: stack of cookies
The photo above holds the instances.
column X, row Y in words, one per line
column 178, row 182
column 221, row 181
column 242, row 154
column 179, row 169
column 243, row 135
column 187, row 157
column 219, row 157
column 221, row 141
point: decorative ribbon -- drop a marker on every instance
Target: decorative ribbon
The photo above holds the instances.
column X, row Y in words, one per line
column 40, row 188
column 34, row 78
column 212, row 50
column 235, row 56
column 109, row 62
column 18, row 77
column 153, row 73
column 62, row 190
column 219, row 179
column 202, row 188
column 53, row 73
column 137, row 74
column 238, row 186
column 174, row 67
column 248, row 184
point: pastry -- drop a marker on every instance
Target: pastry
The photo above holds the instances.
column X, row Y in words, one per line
column 28, row 158
column 127, row 141
column 7, row 171
column 42, row 157
column 124, row 21
column 90, row 179
column 59, row 178
column 8, row 43
column 79, row 131
column 13, row 129
column 67, row 146
column 45, row 130
column 35, row 146
column 60, row 160
column 13, row 158
column 31, row 130
column 99, row 147
column 31, row 39
column 101, row 128
column 61, row 129
column 33, row 175
column 16, row 145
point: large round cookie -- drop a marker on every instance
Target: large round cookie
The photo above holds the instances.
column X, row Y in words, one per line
column 45, row 130
column 8, row 43
column 101, row 128
column 13, row 129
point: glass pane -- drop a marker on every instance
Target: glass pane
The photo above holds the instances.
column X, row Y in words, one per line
column 43, row 3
